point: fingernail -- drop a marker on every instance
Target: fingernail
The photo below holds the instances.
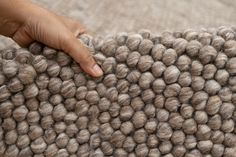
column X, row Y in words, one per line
column 97, row 70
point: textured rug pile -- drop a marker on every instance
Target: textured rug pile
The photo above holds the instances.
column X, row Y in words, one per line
column 170, row 95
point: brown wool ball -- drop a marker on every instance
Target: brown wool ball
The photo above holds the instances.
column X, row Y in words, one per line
column 49, row 52
column 148, row 95
column 54, row 85
column 133, row 41
column 107, row 148
column 62, row 140
column 70, row 118
column 33, row 117
column 201, row 117
column 145, row 46
column 31, row 91
column 101, row 88
column 169, row 57
column 185, row 79
column 186, row 111
column 229, row 152
column 222, row 76
column 215, row 122
column 157, row 51
column 152, row 141
column 139, row 119
column 159, row 101
column 38, row 145
column 179, row 151
column 221, row 60
column 185, row 94
column 230, row 66
column 6, row 109
column 172, row 90
column 145, row 80
column 229, row 48
column 203, row 132
column 150, row 111
column 162, row 115
column 114, row 109
column 212, row 87
column 40, row 63
column 66, row 73
column 154, row 152
column 213, row 105
column 165, row 147
column 109, row 47
column 93, row 112
column 23, row 141
column 190, row 142
column 146, row 34
column 193, row 47
column 158, row 68
column 10, row 137
column 63, row 59
column 176, row 120
column 32, row 104
column 43, row 95
column 225, row 94
column 92, row 97
column 51, row 150
column 171, row 74
column 117, row 139
column 227, row 125
column 207, row 54
column 124, row 99
column 226, row 110
column 141, row 150
column 122, row 86
column 83, row 150
column 217, row 150
column 126, row 112
column 42, row 81
column 68, row 89
column 59, row 112
column 217, row 137
column 218, row 42
column 81, row 92
column 145, row 63
column 134, row 90
column 106, row 131
column 121, row 71
column 198, row 83
column 2, row 79
column 22, row 127
column 183, row 63
column 9, row 68
column 167, row 39
column 226, row 33
column 79, row 80
column 12, row 150
column 140, row 136
column 4, row 93
column 133, row 76
column 196, row 68
column 178, row 137
column 94, row 140
column 19, row 114
column 23, row 56
column 25, row 152
column 122, row 53
column 209, row 71
column 104, row 117
column 164, row 131
column 205, row 146
column 108, row 65
column 59, row 127
column 199, row 100
column 189, row 126
column 110, row 80
column 158, row 86
column 133, row 59
column 57, row 99
column 18, row 99
column 230, row 140
column 127, row 127
column 129, row 144
column 35, row 132
column 49, row 136
column 112, row 94
column 71, row 130
column 180, row 45
column 172, row 104
column 150, row 126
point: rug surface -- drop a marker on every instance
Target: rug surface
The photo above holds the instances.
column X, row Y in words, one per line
column 171, row 95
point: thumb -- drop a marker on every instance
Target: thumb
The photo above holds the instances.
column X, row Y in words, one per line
column 80, row 53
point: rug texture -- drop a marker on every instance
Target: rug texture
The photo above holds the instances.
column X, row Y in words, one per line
column 170, row 95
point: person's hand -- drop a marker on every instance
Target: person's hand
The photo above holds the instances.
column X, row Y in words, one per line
column 25, row 22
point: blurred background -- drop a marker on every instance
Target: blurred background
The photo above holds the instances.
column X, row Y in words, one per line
column 110, row 16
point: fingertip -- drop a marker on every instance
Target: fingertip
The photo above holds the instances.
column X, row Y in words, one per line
column 94, row 70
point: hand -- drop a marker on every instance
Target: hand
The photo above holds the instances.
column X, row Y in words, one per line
column 25, row 22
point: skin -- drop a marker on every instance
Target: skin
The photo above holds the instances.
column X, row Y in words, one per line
column 26, row 22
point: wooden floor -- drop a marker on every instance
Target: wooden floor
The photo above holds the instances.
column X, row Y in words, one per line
column 109, row 16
